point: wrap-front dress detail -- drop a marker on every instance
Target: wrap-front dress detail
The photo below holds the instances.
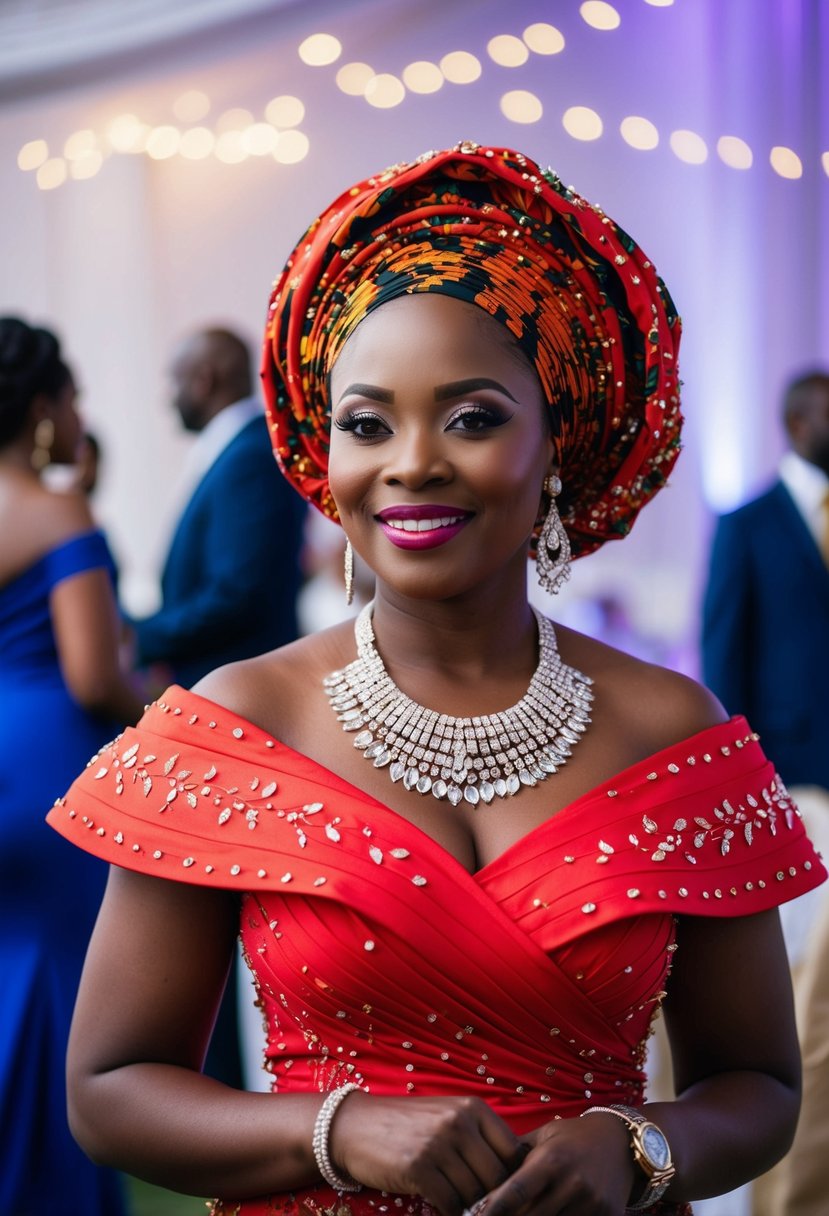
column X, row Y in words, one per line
column 379, row 959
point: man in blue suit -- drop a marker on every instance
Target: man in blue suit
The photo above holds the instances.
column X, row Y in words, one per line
column 232, row 573
column 765, row 640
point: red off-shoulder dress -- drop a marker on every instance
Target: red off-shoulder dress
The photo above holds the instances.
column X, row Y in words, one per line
column 378, row 959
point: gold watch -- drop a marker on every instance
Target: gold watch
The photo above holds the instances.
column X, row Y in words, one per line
column 651, row 1153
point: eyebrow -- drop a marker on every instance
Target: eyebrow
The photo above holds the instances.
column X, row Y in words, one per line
column 443, row 392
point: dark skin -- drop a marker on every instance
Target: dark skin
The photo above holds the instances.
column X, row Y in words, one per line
column 456, row 633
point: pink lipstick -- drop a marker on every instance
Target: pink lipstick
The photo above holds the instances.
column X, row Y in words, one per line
column 422, row 527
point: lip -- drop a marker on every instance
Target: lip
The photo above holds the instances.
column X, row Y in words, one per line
column 408, row 526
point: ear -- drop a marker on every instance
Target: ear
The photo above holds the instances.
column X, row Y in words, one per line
column 41, row 407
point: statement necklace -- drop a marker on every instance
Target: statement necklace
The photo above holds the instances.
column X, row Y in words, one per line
column 472, row 759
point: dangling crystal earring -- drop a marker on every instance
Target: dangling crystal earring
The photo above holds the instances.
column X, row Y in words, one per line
column 553, row 553
column 349, row 572
column 44, row 438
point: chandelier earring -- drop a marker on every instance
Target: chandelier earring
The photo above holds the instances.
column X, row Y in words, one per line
column 349, row 572
column 44, row 438
column 553, row 553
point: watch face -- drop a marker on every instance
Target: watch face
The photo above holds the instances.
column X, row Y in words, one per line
column 655, row 1146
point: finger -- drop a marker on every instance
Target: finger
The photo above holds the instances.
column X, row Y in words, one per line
column 440, row 1192
column 527, row 1188
column 502, row 1140
column 488, row 1168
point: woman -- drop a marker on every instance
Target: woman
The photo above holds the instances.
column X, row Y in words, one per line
column 60, row 693
column 460, row 928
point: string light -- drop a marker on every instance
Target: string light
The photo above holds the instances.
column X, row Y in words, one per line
column 191, row 106
column 163, row 142
column 285, row 111
column 600, row 15
column 319, row 50
column 352, row 78
column 785, row 162
column 33, row 154
column 385, row 91
column 640, row 133
column 423, row 77
column 86, row 165
column 521, row 106
column 52, row 173
column 734, row 152
column 507, row 50
column 582, row 123
column 197, row 143
column 544, row 39
column 293, row 146
column 79, row 143
column 689, row 147
column 460, row 67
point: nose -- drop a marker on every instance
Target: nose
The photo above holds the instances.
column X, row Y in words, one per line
column 417, row 458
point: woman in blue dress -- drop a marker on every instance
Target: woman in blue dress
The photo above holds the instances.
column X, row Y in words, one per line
column 62, row 696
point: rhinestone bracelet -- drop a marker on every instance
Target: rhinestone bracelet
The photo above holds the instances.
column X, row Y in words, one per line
column 321, row 1136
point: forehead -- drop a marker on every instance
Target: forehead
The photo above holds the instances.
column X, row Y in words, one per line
column 433, row 334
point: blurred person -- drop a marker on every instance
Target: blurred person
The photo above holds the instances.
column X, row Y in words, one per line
column 88, row 463
column 62, row 696
column 765, row 633
column 232, row 572
column 765, row 647
column 469, row 852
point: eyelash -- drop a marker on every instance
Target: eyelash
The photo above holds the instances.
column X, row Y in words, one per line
column 487, row 415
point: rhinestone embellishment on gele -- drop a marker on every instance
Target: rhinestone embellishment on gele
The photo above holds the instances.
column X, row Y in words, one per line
column 469, row 760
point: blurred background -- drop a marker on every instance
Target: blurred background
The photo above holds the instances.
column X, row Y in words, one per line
column 158, row 161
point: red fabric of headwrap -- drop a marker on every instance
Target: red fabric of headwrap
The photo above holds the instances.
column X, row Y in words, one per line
column 488, row 226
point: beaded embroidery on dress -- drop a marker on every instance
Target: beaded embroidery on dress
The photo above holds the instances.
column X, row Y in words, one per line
column 472, row 759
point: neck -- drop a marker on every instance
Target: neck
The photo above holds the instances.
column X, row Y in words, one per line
column 474, row 640
column 16, row 459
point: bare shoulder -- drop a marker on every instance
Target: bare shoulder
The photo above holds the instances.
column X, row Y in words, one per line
column 277, row 691
column 653, row 707
column 62, row 515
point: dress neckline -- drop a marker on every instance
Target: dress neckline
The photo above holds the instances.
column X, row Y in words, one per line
column 34, row 566
column 632, row 773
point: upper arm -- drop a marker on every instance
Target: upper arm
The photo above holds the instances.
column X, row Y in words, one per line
column 86, row 629
column 729, row 1006
column 154, row 974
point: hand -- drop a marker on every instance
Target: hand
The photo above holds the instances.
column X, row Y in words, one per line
column 575, row 1167
column 449, row 1151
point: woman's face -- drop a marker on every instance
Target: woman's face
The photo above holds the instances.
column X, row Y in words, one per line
column 439, row 446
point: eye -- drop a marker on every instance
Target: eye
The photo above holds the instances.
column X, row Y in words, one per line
column 362, row 424
column 474, row 419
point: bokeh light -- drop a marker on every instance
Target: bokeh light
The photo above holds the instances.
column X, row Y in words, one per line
column 197, row 143
column 785, row 162
column 293, row 146
column 52, row 173
column 163, row 142
column 79, row 143
column 660, row 3
column 33, row 154
column 230, row 148
column 352, row 78
column 734, row 152
column 385, row 91
column 319, row 50
column 460, row 67
column 544, row 39
column 423, row 77
column 689, row 147
column 260, row 139
column 507, row 50
column 519, row 105
column 191, row 106
column 640, row 133
column 86, row 165
column 824, row 160
column 126, row 133
column 285, row 111
column 236, row 119
column 582, row 123
column 600, row 15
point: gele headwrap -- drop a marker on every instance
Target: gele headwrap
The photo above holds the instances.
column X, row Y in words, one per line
column 488, row 226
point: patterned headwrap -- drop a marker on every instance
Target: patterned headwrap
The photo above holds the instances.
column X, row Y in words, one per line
column 488, row 226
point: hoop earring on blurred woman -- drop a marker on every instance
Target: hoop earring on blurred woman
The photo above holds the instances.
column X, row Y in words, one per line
column 44, row 438
column 553, row 558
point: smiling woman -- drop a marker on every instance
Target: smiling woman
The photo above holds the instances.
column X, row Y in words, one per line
column 460, row 946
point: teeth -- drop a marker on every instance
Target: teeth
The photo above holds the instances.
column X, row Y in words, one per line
column 423, row 525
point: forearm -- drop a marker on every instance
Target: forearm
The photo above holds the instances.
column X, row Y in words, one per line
column 187, row 1132
column 726, row 1130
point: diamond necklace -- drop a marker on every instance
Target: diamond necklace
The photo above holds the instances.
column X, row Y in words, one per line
column 472, row 759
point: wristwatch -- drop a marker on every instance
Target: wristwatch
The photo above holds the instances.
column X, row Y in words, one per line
column 651, row 1153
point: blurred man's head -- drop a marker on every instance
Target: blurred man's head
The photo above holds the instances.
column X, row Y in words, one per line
column 806, row 417
column 210, row 370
